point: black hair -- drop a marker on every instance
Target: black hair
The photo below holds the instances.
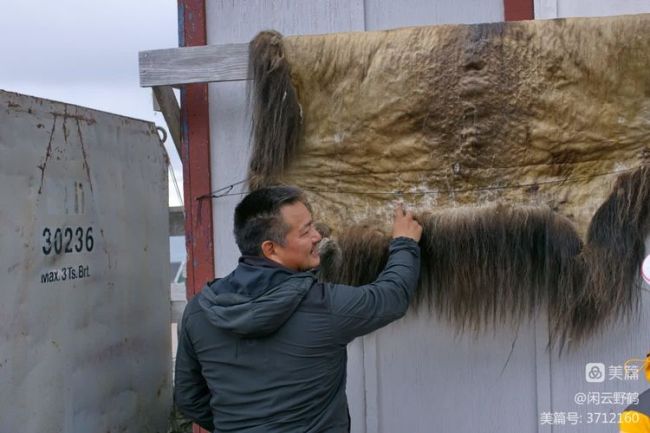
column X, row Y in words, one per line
column 258, row 219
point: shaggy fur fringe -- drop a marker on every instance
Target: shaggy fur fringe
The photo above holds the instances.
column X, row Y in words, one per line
column 275, row 111
column 612, row 257
column 499, row 265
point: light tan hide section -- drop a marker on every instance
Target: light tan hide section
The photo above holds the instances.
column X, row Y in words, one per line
column 460, row 115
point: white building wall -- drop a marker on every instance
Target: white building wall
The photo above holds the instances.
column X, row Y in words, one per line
column 384, row 14
column 545, row 9
column 416, row 375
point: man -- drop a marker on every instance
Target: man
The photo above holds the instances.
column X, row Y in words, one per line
column 264, row 349
column 636, row 417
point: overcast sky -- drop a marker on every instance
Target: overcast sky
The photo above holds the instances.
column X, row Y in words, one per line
column 86, row 53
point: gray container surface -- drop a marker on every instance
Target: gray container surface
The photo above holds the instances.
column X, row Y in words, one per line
column 84, row 306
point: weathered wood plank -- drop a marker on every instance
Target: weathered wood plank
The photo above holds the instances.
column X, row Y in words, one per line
column 168, row 104
column 208, row 63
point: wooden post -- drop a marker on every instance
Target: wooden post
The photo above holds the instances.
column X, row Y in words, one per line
column 195, row 154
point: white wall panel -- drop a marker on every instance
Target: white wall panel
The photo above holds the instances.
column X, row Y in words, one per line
column 385, row 14
column 545, row 9
column 431, row 379
column 594, row 8
column 613, row 347
column 428, row 378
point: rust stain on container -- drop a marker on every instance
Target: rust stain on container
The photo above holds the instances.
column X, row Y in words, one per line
column 83, row 152
column 48, row 153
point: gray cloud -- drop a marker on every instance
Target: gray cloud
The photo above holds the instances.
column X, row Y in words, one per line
column 83, row 41
column 86, row 53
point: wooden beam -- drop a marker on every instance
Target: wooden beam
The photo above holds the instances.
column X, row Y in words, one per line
column 168, row 104
column 187, row 65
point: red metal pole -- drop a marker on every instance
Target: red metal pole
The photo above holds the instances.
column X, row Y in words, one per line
column 518, row 10
column 195, row 154
column 196, row 157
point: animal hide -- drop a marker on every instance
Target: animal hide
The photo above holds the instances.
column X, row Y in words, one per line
column 522, row 146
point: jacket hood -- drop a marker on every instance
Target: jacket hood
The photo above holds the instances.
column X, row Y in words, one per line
column 256, row 298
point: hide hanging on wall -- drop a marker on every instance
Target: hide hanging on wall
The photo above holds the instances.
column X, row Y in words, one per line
column 522, row 146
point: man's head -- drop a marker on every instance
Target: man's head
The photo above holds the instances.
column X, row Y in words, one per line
column 276, row 223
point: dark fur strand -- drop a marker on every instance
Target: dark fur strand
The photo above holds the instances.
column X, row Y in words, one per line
column 276, row 113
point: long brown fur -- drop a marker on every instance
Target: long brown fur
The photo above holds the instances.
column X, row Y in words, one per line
column 497, row 264
column 500, row 264
column 361, row 256
column 276, row 112
column 613, row 255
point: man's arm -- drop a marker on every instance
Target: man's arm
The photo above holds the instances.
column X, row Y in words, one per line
column 360, row 310
column 191, row 393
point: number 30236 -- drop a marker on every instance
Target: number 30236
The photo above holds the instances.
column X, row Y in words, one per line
column 67, row 240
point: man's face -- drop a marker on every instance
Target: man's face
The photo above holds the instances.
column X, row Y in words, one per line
column 300, row 249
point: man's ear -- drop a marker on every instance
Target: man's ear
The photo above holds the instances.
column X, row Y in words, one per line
column 268, row 249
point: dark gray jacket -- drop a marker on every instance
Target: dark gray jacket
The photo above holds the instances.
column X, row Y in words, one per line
column 264, row 349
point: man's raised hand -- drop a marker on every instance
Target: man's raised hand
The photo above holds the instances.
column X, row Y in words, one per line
column 404, row 225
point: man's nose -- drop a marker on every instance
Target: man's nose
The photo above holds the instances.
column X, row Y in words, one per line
column 316, row 236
